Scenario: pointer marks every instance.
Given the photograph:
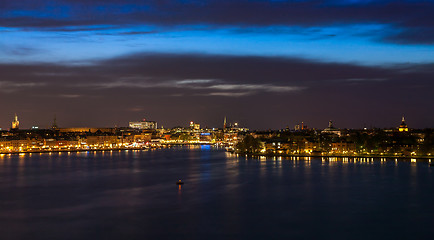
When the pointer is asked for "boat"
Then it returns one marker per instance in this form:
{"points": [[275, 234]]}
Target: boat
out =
{"points": [[179, 182]]}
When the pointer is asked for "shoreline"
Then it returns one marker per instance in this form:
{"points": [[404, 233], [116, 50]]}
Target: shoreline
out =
{"points": [[336, 156], [233, 152], [71, 150], [106, 149]]}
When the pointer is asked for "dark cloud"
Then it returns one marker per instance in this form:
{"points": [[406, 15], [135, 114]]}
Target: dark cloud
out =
{"points": [[258, 92], [138, 32], [407, 17], [420, 35]]}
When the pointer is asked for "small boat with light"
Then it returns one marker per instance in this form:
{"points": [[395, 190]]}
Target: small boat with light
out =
{"points": [[179, 182]]}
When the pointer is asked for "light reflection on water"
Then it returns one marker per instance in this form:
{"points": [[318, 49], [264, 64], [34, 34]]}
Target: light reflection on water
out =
{"points": [[113, 194]]}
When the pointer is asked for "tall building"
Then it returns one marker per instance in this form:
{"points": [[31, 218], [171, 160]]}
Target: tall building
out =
{"points": [[301, 126], [403, 127], [15, 122], [142, 125]]}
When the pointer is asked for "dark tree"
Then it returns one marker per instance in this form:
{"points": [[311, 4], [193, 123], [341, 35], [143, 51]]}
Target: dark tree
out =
{"points": [[249, 145]]}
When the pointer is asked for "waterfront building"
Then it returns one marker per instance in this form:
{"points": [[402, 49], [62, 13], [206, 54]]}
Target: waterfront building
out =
{"points": [[205, 137], [101, 141], [311, 146], [144, 137], [343, 147]]}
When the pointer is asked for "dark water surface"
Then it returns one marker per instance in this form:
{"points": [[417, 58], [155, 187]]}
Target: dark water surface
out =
{"points": [[133, 195]]}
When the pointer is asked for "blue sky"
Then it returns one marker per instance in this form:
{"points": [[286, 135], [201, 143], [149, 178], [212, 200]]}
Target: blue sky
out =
{"points": [[337, 30], [343, 43]]}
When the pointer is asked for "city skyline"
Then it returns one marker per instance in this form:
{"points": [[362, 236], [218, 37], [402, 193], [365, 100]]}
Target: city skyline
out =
{"points": [[152, 124], [264, 64]]}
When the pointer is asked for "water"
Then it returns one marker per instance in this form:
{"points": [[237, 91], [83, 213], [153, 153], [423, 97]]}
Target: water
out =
{"points": [[133, 195]]}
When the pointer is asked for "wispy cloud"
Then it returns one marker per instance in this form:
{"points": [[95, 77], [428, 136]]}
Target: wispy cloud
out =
{"points": [[210, 85], [9, 86], [256, 87], [195, 81], [228, 94]]}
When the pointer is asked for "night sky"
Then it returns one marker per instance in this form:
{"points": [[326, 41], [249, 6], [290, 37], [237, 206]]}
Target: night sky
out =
{"points": [[264, 64]]}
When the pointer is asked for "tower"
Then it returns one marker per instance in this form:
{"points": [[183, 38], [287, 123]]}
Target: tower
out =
{"points": [[54, 126], [403, 127], [224, 123], [15, 122]]}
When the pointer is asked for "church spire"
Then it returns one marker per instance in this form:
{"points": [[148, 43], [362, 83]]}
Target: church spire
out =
{"points": [[54, 126]]}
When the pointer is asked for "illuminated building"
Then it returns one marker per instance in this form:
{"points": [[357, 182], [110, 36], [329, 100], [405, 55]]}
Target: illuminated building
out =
{"points": [[301, 126], [195, 126], [143, 125], [331, 130], [343, 147], [86, 130], [403, 127], [15, 122]]}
